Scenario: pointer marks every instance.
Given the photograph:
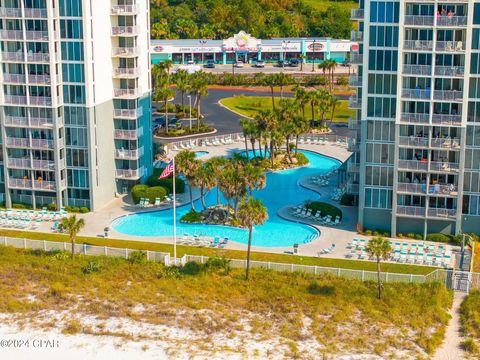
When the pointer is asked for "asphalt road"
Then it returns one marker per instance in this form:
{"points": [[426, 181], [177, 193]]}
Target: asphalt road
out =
{"points": [[226, 121]]}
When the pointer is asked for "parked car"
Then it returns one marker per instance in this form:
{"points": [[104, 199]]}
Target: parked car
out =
{"points": [[239, 64], [346, 63], [210, 64], [294, 63], [281, 63], [259, 64]]}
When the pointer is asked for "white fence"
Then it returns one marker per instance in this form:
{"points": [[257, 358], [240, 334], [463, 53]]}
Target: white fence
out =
{"points": [[457, 280]]}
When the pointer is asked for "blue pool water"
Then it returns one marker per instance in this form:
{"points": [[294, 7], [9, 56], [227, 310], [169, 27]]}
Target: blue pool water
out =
{"points": [[199, 154], [282, 190]]}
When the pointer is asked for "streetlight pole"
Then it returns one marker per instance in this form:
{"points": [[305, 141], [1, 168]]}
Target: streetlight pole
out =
{"points": [[313, 49], [190, 108], [203, 42]]}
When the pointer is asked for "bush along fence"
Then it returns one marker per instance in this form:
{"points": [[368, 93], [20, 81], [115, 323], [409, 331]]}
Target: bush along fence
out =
{"points": [[457, 280]]}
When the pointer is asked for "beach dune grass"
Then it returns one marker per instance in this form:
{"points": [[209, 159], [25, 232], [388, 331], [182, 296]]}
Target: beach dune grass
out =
{"points": [[332, 312], [231, 254]]}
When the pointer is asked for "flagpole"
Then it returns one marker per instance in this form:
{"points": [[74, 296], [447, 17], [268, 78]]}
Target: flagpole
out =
{"points": [[174, 215]]}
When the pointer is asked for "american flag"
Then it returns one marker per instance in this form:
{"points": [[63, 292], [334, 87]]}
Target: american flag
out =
{"points": [[167, 171]]}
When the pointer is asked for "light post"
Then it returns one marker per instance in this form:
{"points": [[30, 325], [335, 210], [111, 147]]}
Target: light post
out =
{"points": [[284, 52], [203, 42], [313, 49], [190, 108]]}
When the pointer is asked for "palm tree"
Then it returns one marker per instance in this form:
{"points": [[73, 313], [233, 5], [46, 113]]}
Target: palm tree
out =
{"points": [[332, 64], [251, 212], [301, 125], [164, 94], [333, 105], [302, 58], [323, 99], [246, 125], [182, 82], [188, 165], [216, 165], [167, 65], [282, 80], [199, 86], [271, 81], [205, 180], [255, 178], [72, 226], [301, 97], [323, 66], [380, 249], [232, 184], [313, 98]]}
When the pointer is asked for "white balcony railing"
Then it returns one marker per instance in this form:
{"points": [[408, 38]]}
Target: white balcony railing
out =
{"points": [[40, 100], [416, 94], [125, 51], [423, 70], [128, 113], [414, 118], [39, 79], [130, 174], [356, 59], [126, 72], [14, 78], [415, 165], [44, 122], [420, 45], [412, 188], [35, 12], [42, 143], [446, 119], [128, 134], [13, 56], [129, 154], [22, 163], [442, 213], [36, 35], [355, 81], [124, 30], [43, 164], [38, 57], [16, 121], [410, 211], [354, 102], [11, 34], [357, 14], [419, 20], [453, 21], [450, 46], [413, 141], [10, 12], [449, 70], [18, 142], [448, 95], [126, 93], [356, 35], [29, 184], [445, 143], [353, 124], [124, 9], [15, 99], [442, 166]]}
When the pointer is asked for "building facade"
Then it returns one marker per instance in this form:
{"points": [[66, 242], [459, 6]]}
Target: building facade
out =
{"points": [[416, 163], [75, 100], [243, 47]]}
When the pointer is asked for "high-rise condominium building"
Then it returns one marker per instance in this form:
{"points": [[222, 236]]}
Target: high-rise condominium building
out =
{"points": [[416, 167], [75, 100]]}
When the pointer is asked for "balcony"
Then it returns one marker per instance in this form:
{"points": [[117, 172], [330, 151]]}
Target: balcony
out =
{"points": [[15, 100], [39, 79], [353, 167], [354, 102], [413, 141], [128, 154], [419, 20], [125, 52], [7, 12], [355, 81], [414, 165], [446, 119], [415, 118], [126, 93], [445, 143], [450, 214], [32, 185], [357, 14], [44, 122], [453, 21], [356, 35], [126, 73], [410, 211], [124, 9], [40, 100], [353, 124], [17, 142], [128, 113], [356, 59], [416, 94], [353, 145], [448, 95], [18, 121], [36, 35], [418, 45], [11, 34], [14, 78], [130, 174], [124, 30], [35, 12], [16, 163], [128, 134], [13, 56], [458, 71], [421, 70], [38, 57], [410, 188], [42, 144], [353, 188], [450, 46], [444, 167], [443, 189]]}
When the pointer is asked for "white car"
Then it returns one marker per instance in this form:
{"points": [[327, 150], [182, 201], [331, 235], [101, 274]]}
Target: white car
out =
{"points": [[239, 64]]}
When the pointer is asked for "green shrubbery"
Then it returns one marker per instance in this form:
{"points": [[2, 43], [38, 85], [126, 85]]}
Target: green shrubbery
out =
{"points": [[325, 209], [91, 267], [301, 159], [150, 193], [137, 257], [76, 209], [470, 319], [441, 238], [347, 200], [192, 217]]}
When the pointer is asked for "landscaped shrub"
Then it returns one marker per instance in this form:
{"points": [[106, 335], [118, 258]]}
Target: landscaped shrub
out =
{"points": [[192, 217], [418, 237], [84, 210], [137, 257], [302, 160], [191, 268], [347, 200], [21, 206], [470, 320], [441, 238], [325, 209], [155, 192], [91, 267], [52, 207], [216, 263], [138, 191], [166, 183]]}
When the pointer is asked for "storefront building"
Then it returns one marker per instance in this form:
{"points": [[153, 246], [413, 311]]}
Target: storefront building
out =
{"points": [[243, 47]]}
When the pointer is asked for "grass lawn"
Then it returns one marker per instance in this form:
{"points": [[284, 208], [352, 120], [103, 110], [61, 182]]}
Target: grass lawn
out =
{"points": [[251, 105], [302, 315], [232, 254], [470, 319], [324, 4]]}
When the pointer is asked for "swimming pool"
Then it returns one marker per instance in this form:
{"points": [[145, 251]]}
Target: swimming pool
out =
{"points": [[282, 190], [199, 154]]}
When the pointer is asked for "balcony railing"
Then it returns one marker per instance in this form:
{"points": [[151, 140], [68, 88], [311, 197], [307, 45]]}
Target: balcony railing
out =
{"points": [[35, 13], [357, 14], [23, 163], [11, 34], [39, 79], [413, 141], [453, 21], [40, 100], [13, 56], [130, 174], [14, 78], [420, 45], [19, 163], [412, 188], [416, 94], [128, 113], [126, 72], [42, 143], [353, 124], [442, 213], [446, 119], [353, 145], [124, 30], [44, 122], [414, 118], [34, 185], [447, 167], [448, 95], [355, 81], [353, 188], [353, 167], [415, 165], [16, 121], [443, 189], [128, 134], [15, 100], [43, 165], [18, 142], [354, 103], [124, 9], [356, 35], [10, 12], [38, 57], [450, 46], [419, 20], [423, 70], [36, 35], [356, 59], [126, 93], [129, 154], [445, 143], [410, 211], [449, 70], [125, 51]]}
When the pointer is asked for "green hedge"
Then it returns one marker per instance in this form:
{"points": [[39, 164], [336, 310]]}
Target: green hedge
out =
{"points": [[166, 183], [150, 193], [326, 209], [441, 238]]}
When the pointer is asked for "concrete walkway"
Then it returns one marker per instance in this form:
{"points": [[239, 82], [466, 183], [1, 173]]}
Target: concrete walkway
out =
{"points": [[451, 348]]}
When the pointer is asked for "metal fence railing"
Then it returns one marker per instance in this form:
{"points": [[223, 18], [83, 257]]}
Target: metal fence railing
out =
{"points": [[457, 280]]}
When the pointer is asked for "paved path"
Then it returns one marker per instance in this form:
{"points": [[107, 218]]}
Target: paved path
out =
{"points": [[451, 349]]}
